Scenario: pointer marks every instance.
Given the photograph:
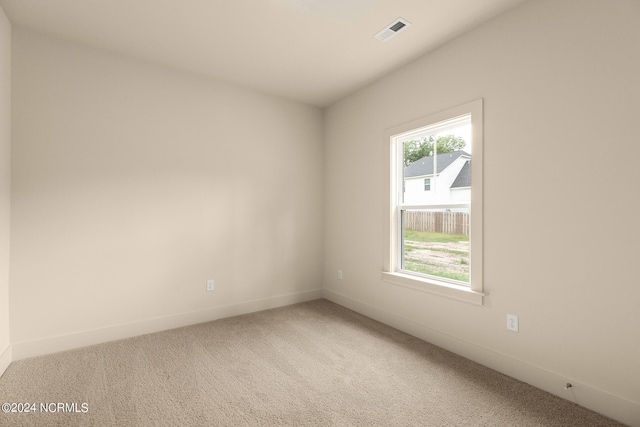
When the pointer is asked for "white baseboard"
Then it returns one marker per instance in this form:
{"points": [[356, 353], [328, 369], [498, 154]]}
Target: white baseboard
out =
{"points": [[5, 359], [584, 395], [25, 349]]}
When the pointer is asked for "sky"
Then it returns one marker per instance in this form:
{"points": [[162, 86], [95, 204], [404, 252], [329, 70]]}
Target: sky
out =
{"points": [[458, 128]]}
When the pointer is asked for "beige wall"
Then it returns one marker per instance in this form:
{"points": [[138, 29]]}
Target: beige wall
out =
{"points": [[5, 185], [134, 184], [561, 89]]}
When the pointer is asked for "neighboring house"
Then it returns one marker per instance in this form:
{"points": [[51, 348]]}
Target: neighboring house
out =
{"points": [[450, 184]]}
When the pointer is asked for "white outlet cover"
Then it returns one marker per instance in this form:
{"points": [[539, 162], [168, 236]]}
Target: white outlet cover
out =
{"points": [[512, 322], [210, 285]]}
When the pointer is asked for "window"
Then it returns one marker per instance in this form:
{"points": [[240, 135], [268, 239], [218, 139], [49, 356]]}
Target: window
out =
{"points": [[435, 229]]}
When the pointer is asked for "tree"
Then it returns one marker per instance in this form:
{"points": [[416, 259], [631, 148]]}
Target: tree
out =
{"points": [[419, 148]]}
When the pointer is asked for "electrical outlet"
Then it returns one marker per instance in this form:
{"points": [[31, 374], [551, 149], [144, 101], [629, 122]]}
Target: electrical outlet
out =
{"points": [[512, 322], [340, 274], [210, 285]]}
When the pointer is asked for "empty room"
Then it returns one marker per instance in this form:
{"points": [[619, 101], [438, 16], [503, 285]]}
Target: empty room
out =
{"points": [[319, 212]]}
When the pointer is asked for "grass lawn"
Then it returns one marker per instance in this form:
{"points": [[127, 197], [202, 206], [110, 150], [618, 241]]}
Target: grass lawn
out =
{"points": [[451, 264], [431, 236], [420, 267]]}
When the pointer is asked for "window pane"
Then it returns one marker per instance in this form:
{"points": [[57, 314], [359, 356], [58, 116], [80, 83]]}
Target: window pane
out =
{"points": [[436, 163], [436, 243], [429, 234]]}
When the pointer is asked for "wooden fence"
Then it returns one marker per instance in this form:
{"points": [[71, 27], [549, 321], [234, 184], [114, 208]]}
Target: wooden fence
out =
{"points": [[440, 222]]}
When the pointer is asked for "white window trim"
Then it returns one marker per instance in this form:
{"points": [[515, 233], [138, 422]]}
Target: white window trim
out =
{"points": [[474, 293]]}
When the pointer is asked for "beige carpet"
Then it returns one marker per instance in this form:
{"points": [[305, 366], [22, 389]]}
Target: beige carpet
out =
{"points": [[310, 364]]}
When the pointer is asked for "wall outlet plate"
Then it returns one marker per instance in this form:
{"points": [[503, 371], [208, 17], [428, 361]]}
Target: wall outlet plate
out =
{"points": [[512, 322], [210, 285]]}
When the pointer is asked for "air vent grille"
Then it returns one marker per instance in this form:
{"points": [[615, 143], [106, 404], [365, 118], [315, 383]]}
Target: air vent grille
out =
{"points": [[397, 26], [392, 29]]}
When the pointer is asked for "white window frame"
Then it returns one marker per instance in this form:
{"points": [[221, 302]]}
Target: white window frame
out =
{"points": [[391, 274], [427, 181]]}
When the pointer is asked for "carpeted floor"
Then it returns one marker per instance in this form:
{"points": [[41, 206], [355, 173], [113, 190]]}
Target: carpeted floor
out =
{"points": [[310, 364]]}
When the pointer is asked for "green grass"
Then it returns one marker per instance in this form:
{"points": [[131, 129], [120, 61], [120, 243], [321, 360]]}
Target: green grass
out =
{"points": [[450, 251], [431, 236], [411, 236], [434, 271]]}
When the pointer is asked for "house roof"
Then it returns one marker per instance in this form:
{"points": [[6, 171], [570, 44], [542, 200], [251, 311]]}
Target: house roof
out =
{"points": [[464, 177], [424, 166]]}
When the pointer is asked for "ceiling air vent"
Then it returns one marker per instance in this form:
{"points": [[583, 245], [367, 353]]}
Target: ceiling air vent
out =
{"points": [[392, 29]]}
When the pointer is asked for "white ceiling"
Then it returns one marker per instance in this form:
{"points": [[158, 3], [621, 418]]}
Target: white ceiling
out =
{"points": [[313, 51]]}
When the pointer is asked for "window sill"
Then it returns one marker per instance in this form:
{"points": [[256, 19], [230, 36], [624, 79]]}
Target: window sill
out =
{"points": [[444, 289]]}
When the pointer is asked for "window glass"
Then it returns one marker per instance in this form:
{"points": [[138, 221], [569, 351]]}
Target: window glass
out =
{"points": [[434, 207]]}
